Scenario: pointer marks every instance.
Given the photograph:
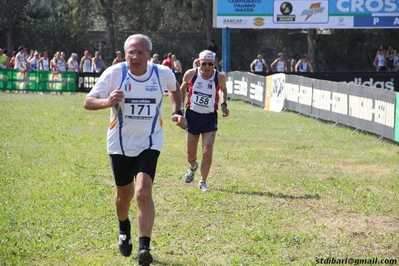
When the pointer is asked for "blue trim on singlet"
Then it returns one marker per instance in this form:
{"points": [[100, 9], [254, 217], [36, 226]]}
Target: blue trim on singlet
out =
{"points": [[157, 113], [155, 69], [120, 115]]}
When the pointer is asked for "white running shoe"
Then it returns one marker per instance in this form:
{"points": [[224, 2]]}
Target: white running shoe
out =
{"points": [[190, 173], [202, 185]]}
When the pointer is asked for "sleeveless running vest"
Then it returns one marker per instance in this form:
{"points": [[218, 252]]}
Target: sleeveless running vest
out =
{"points": [[136, 123], [203, 94]]}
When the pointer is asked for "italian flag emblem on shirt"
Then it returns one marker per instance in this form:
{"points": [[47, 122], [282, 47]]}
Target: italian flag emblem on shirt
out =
{"points": [[128, 87]]}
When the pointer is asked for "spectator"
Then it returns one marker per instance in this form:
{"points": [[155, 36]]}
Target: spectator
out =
{"points": [[215, 49], [98, 63], [381, 49], [176, 65], [168, 61], [3, 60], [12, 60], [44, 62], [390, 56], [379, 60], [304, 65], [177, 69], [293, 62], [259, 66], [73, 65], [86, 63], [63, 56], [20, 59], [34, 62], [31, 55], [118, 58], [100, 47], [59, 63], [5, 52], [279, 65], [155, 59], [396, 63]]}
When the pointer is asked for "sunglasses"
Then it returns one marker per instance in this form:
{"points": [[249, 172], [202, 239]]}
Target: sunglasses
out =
{"points": [[205, 64]]}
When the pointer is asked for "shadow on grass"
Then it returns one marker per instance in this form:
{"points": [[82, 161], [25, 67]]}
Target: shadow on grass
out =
{"points": [[272, 195]]}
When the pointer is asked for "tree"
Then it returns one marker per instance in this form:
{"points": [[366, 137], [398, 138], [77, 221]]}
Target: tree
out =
{"points": [[107, 11], [11, 14], [209, 15]]}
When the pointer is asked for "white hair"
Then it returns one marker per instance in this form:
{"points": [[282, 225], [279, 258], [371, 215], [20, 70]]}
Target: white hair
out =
{"points": [[139, 37]]}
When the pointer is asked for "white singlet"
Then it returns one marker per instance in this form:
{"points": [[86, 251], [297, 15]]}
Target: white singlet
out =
{"points": [[280, 66], [135, 123], [21, 64], [203, 94], [87, 65], [61, 65], [380, 60], [46, 64], [258, 65]]}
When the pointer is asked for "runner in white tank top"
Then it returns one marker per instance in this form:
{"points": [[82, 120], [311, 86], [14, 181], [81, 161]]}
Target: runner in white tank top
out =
{"points": [[136, 124], [20, 59], [134, 92], [279, 65]]}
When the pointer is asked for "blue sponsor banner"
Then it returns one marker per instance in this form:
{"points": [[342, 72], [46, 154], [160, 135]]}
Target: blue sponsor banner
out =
{"points": [[296, 14], [245, 7], [376, 22]]}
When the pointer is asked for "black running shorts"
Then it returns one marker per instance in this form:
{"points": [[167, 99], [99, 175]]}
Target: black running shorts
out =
{"points": [[126, 168]]}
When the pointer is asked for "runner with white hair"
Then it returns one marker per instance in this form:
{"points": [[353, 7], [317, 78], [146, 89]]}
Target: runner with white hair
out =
{"points": [[204, 85]]}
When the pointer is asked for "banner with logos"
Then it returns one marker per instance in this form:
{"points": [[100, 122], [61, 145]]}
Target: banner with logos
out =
{"points": [[365, 108], [358, 106], [305, 14], [379, 80], [11, 79], [274, 96], [86, 81], [246, 86]]}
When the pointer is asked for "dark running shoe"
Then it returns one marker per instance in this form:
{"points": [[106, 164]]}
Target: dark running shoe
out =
{"points": [[125, 244], [144, 256]]}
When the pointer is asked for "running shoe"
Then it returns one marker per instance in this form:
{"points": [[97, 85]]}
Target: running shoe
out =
{"points": [[144, 256], [125, 244], [202, 185], [190, 173]]}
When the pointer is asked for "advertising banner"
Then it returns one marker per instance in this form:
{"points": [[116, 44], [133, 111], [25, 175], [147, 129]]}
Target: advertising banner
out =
{"points": [[86, 81], [256, 89], [274, 96], [239, 85], [303, 14], [298, 94], [11, 79], [379, 80]]}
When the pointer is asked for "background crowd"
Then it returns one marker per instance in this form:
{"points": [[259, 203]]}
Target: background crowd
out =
{"points": [[384, 60], [32, 60]]}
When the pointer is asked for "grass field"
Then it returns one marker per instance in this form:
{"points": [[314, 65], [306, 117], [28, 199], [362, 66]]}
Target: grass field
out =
{"points": [[286, 190]]}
